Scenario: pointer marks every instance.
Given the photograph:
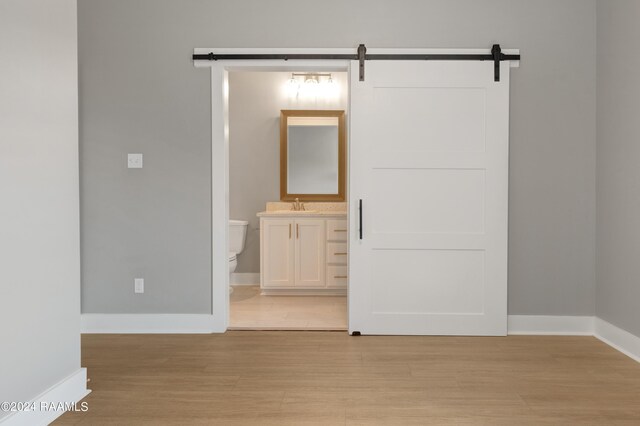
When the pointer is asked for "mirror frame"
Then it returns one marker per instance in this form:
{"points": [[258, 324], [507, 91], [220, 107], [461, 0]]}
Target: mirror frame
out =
{"points": [[342, 152]]}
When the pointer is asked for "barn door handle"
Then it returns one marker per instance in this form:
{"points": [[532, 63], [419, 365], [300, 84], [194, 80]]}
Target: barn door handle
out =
{"points": [[360, 217]]}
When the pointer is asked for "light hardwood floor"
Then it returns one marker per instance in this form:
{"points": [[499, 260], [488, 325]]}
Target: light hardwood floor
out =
{"points": [[249, 310], [330, 378]]}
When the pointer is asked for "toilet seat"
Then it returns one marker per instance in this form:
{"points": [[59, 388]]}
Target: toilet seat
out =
{"points": [[232, 256]]}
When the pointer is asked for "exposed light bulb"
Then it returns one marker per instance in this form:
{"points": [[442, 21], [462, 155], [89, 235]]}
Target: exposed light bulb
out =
{"points": [[292, 87], [331, 88], [311, 86]]}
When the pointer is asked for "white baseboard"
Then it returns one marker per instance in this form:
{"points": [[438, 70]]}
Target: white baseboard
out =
{"points": [[615, 337], [618, 338], [550, 325], [245, 278], [148, 323], [66, 394]]}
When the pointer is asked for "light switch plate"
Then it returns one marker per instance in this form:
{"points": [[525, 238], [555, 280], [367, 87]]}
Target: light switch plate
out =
{"points": [[134, 161], [138, 285]]}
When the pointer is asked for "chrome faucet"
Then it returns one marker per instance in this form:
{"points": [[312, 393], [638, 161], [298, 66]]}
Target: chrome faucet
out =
{"points": [[297, 205]]}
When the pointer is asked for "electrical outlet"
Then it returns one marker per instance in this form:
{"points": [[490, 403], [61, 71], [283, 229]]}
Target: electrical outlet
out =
{"points": [[134, 161], [138, 285]]}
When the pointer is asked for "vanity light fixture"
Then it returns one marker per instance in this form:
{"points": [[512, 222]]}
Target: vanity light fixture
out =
{"points": [[311, 85], [312, 79]]}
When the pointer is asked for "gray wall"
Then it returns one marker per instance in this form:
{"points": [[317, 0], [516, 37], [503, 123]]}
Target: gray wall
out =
{"points": [[39, 215], [255, 101], [140, 93], [618, 166]]}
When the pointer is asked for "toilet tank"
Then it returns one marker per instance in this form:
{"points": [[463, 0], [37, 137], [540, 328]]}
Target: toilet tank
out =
{"points": [[237, 235]]}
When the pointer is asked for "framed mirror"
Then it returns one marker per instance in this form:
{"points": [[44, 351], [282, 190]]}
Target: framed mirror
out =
{"points": [[312, 155]]}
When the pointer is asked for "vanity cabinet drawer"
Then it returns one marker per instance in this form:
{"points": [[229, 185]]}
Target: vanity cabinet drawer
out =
{"points": [[337, 229], [337, 253], [336, 276]]}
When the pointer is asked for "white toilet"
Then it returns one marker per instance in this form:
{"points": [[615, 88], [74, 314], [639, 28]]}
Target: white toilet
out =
{"points": [[237, 237]]}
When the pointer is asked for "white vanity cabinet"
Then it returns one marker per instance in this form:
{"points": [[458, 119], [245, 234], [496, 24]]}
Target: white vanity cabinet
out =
{"points": [[303, 255]]}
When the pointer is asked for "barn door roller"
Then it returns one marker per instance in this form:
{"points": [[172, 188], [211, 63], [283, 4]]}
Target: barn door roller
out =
{"points": [[496, 52], [361, 56]]}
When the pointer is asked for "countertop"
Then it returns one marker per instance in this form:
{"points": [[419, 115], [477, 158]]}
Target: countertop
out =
{"points": [[311, 209], [303, 213]]}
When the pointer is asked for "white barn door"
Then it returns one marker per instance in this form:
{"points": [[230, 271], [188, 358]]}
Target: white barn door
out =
{"points": [[429, 159]]}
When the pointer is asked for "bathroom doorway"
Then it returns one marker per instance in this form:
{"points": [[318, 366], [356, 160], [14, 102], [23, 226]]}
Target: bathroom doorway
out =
{"points": [[287, 205]]}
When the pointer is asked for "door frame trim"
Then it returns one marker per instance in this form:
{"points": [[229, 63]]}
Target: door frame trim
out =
{"points": [[220, 156]]}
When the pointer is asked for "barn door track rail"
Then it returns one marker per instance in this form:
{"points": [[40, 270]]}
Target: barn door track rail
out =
{"points": [[361, 56]]}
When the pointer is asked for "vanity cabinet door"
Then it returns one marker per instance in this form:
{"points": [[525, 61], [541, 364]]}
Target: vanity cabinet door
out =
{"points": [[277, 252], [310, 241]]}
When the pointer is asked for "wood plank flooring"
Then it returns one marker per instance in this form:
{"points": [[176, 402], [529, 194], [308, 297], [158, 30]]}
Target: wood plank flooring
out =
{"points": [[249, 310], [330, 378]]}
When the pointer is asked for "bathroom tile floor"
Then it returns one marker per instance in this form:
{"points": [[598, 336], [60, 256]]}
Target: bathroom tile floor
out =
{"points": [[249, 310]]}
